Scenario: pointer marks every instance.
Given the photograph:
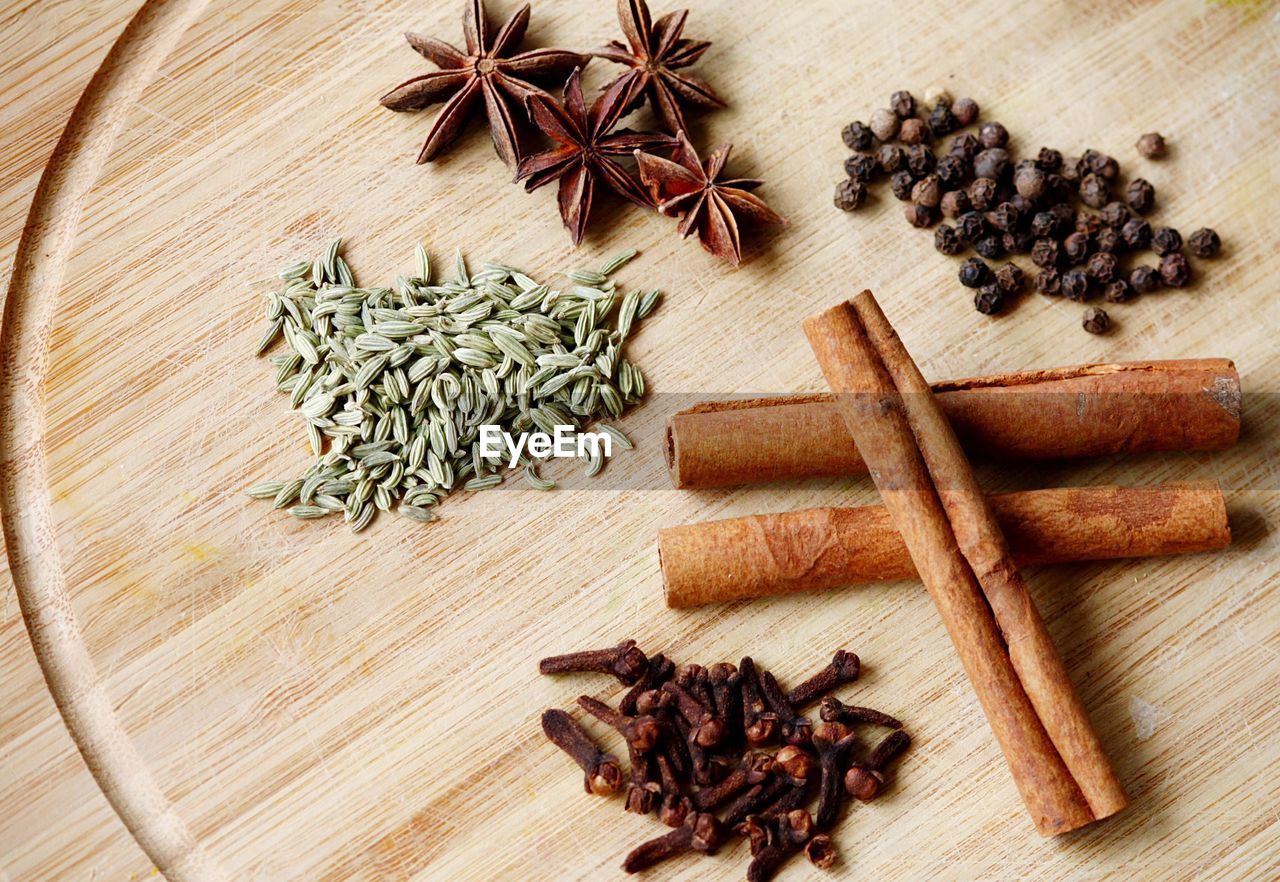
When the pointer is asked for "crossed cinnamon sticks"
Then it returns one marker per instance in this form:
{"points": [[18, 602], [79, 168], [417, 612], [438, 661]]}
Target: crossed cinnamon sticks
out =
{"points": [[936, 521], [936, 505]]}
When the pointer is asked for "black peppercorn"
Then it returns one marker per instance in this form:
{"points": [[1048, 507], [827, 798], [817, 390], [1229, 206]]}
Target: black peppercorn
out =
{"points": [[1030, 183], [1076, 247], [1151, 145], [1070, 171], [890, 158], [1089, 223], [990, 247], [983, 193], [965, 111], [1017, 241], [974, 273], [857, 136], [965, 146], [1084, 165], [884, 124], [1043, 223], [1144, 279], [1204, 242], [971, 226], [914, 131], [1103, 165], [901, 184], [903, 104], [1117, 291], [1165, 240], [1003, 217], [993, 134], [954, 203], [1065, 214], [1049, 282], [1175, 272], [920, 160], [947, 240], [991, 163], [1140, 195], [861, 167], [1026, 208], [1049, 160], [953, 172], [1076, 285], [927, 191], [1093, 191], [1010, 279], [1108, 239], [1045, 253], [1115, 214], [942, 121], [850, 195], [1102, 267], [1058, 189], [1096, 321], [989, 300], [920, 215]]}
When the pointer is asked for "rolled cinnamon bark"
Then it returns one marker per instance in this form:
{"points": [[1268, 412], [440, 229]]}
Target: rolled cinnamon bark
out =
{"points": [[933, 500], [1061, 413], [818, 549]]}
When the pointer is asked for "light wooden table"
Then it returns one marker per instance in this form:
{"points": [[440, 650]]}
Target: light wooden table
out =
{"points": [[326, 707]]}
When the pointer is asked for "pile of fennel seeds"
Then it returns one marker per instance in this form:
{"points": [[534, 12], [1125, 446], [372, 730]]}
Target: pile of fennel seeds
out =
{"points": [[394, 385]]}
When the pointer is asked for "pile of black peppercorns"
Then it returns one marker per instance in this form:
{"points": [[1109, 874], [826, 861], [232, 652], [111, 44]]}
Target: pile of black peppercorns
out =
{"points": [[1070, 216]]}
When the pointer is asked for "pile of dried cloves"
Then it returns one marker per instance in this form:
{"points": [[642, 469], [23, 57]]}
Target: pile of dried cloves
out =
{"points": [[724, 750]]}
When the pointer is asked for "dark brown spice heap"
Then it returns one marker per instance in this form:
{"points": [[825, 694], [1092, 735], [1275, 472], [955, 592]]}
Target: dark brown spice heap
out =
{"points": [[696, 738], [1073, 218], [489, 69]]}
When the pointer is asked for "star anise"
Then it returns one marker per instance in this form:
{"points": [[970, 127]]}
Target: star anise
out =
{"points": [[586, 144], [487, 68], [692, 189], [656, 52]]}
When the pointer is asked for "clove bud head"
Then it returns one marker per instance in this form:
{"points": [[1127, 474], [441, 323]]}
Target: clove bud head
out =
{"points": [[863, 783], [820, 851]]}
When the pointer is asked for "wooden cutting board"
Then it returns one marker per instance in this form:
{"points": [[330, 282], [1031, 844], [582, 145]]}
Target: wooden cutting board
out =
{"points": [[324, 706]]}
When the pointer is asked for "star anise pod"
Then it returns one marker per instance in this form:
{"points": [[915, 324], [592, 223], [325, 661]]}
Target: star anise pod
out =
{"points": [[656, 51], [584, 151], [487, 68], [692, 189]]}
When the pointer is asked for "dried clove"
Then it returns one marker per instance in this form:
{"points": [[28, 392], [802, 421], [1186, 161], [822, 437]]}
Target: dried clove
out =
{"points": [[707, 729], [726, 695], [644, 792], [659, 670], [701, 832], [835, 711], [759, 725], [641, 732], [755, 768], [832, 741], [602, 773], [675, 806], [787, 835], [795, 728], [866, 779], [624, 661], [843, 668]]}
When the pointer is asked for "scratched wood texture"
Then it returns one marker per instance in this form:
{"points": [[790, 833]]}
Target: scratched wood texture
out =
{"points": [[327, 707]]}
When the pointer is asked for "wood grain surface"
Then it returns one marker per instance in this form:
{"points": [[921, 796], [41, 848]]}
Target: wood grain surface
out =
{"points": [[324, 706]]}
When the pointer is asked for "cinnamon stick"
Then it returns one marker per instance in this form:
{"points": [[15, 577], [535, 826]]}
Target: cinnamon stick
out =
{"points": [[1061, 413], [819, 549], [933, 500]]}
